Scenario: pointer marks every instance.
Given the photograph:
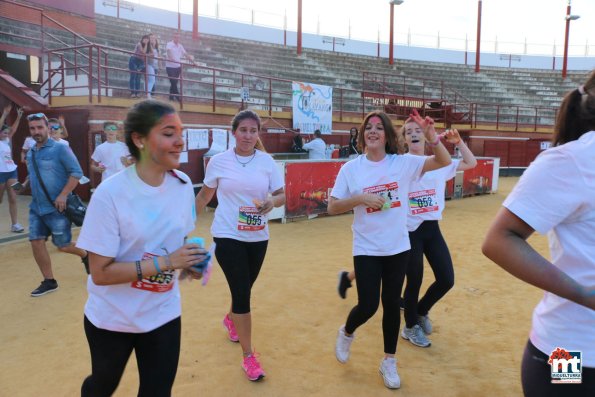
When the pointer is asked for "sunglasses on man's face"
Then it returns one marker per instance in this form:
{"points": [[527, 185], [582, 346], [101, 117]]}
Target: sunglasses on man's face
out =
{"points": [[55, 127], [111, 128], [37, 116]]}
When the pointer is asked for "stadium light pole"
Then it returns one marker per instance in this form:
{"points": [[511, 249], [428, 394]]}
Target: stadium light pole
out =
{"points": [[195, 19], [392, 29], [299, 28], [568, 18], [478, 44]]}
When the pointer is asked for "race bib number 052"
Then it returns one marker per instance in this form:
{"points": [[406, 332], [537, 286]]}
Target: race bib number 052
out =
{"points": [[423, 201]]}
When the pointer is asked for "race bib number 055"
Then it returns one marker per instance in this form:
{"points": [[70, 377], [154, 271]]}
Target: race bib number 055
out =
{"points": [[250, 220]]}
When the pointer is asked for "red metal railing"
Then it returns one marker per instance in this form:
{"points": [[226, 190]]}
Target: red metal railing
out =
{"points": [[221, 87]]}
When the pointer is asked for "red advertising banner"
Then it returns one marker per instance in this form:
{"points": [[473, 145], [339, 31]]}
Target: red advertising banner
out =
{"points": [[479, 179], [308, 186]]}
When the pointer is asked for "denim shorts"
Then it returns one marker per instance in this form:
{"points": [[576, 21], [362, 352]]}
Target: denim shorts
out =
{"points": [[56, 224], [5, 176]]}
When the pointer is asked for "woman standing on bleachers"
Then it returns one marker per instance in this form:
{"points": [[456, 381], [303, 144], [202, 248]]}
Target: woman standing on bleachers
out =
{"points": [[136, 64]]}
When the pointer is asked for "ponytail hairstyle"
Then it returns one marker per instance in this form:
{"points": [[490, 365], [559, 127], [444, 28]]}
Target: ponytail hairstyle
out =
{"points": [[141, 118], [577, 113]]}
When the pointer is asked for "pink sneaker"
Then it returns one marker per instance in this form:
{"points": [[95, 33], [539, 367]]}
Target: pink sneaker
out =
{"points": [[252, 367], [231, 329]]}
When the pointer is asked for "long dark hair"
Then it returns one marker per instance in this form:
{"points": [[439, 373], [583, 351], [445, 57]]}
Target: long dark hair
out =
{"points": [[577, 113], [392, 140], [141, 118]]}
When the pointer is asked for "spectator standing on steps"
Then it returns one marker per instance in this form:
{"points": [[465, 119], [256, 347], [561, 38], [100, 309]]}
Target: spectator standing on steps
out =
{"points": [[175, 53]]}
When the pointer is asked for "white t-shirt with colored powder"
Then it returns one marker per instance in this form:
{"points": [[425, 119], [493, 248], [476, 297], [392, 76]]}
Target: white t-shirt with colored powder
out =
{"points": [[556, 195], [426, 197], [109, 154], [6, 162], [379, 232], [236, 216], [129, 220]]}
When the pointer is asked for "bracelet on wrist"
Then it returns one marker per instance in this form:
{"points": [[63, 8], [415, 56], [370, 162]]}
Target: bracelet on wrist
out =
{"points": [[156, 264], [139, 271], [168, 265], [436, 141]]}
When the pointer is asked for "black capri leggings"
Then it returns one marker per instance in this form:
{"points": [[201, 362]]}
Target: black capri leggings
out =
{"points": [[427, 239], [157, 354], [536, 377], [241, 263], [372, 272]]}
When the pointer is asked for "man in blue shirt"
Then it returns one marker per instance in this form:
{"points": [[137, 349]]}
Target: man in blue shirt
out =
{"points": [[60, 172]]}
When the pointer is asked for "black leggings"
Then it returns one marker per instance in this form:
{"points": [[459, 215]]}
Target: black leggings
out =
{"points": [[371, 272], [241, 263], [427, 240], [536, 377], [157, 353]]}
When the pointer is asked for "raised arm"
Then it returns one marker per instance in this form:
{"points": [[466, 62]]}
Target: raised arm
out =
{"points": [[506, 245], [469, 161], [441, 157]]}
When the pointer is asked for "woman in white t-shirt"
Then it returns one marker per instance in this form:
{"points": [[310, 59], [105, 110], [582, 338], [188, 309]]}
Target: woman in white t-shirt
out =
{"points": [[8, 168], [376, 187], [556, 195], [248, 185], [426, 203], [134, 231]]}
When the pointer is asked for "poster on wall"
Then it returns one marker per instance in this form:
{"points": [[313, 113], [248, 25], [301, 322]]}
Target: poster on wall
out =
{"points": [[308, 186], [478, 180], [312, 107]]}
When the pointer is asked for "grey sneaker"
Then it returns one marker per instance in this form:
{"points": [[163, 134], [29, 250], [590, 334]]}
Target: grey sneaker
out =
{"points": [[416, 336], [45, 287], [388, 370], [17, 228], [425, 323], [343, 345]]}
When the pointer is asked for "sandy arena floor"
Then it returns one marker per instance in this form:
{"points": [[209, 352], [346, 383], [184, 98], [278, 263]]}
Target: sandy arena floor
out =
{"points": [[481, 326]]}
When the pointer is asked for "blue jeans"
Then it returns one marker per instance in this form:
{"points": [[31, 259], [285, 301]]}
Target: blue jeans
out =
{"points": [[135, 65], [56, 224]]}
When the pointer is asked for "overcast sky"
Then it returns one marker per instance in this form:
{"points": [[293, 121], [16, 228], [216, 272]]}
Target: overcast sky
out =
{"points": [[538, 21]]}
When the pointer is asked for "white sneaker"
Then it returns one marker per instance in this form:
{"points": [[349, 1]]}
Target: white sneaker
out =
{"points": [[388, 370], [425, 323], [343, 345], [416, 336], [17, 228]]}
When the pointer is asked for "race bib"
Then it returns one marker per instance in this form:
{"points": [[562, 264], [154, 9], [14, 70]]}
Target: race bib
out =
{"points": [[8, 159], [423, 201], [390, 192], [161, 282], [249, 220]]}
